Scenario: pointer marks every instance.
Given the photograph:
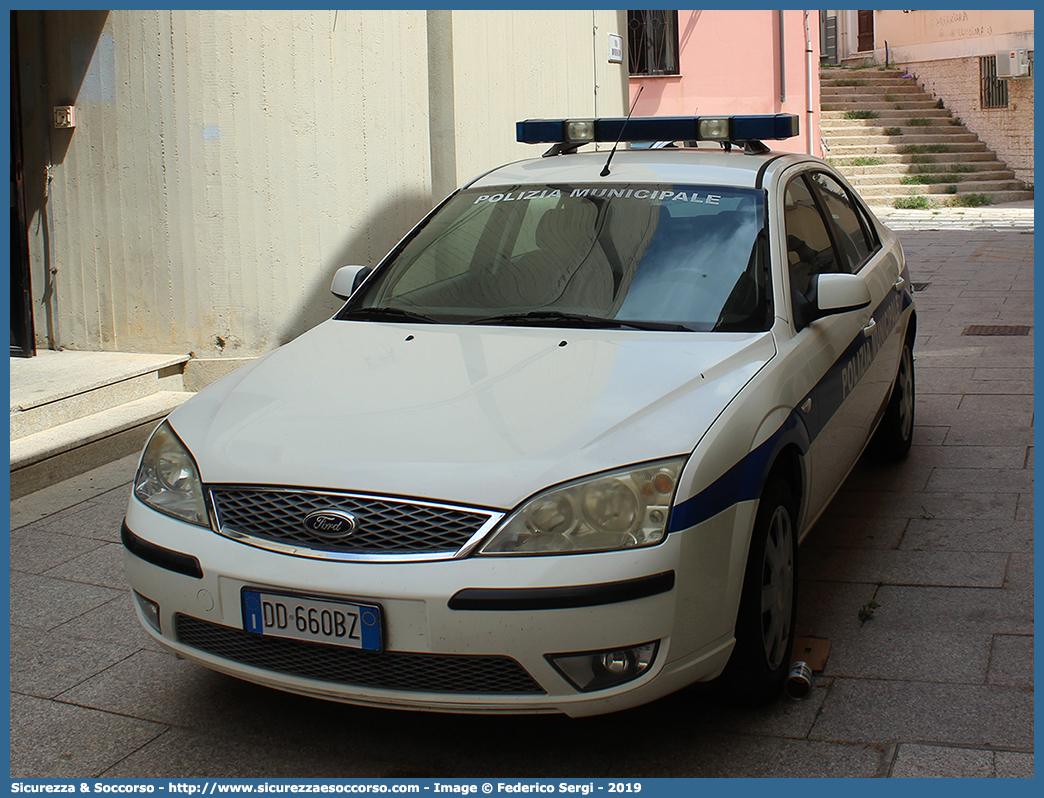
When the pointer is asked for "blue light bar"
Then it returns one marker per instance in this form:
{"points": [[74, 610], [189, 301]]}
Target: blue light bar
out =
{"points": [[755, 127]]}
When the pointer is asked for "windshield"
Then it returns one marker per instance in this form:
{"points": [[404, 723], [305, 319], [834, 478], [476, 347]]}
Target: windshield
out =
{"points": [[657, 257]]}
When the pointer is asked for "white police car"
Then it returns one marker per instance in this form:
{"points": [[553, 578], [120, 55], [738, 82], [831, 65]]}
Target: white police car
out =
{"points": [[556, 451]]}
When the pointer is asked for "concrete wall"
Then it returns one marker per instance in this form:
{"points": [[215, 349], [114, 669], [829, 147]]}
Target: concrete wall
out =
{"points": [[225, 163], [931, 29], [730, 63]]}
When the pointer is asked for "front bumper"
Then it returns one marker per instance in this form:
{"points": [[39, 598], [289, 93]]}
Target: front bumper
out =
{"points": [[470, 635]]}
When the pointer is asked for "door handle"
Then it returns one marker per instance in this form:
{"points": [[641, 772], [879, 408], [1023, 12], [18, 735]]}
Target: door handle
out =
{"points": [[869, 328], [900, 284]]}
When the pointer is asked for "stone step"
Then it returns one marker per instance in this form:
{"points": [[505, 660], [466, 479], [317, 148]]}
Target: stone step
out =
{"points": [[71, 448], [944, 200], [933, 113], [978, 187], [860, 179], [913, 107], [985, 159], [54, 388], [901, 146]]}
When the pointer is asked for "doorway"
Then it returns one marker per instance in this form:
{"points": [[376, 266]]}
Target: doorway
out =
{"points": [[23, 342]]}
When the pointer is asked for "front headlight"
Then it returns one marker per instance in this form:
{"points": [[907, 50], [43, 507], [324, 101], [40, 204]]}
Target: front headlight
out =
{"points": [[167, 479], [619, 510]]}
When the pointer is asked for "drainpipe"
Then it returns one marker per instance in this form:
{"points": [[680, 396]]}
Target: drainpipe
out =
{"points": [[808, 86], [782, 62]]}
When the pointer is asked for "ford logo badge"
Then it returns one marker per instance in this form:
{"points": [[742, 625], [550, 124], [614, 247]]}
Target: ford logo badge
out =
{"points": [[330, 523]]}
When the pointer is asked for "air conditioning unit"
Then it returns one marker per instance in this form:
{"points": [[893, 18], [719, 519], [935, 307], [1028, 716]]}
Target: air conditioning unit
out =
{"points": [[1013, 64]]}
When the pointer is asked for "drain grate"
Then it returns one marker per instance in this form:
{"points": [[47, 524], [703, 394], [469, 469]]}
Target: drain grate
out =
{"points": [[997, 329]]}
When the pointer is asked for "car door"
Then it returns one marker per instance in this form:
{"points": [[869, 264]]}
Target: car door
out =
{"points": [[825, 235]]}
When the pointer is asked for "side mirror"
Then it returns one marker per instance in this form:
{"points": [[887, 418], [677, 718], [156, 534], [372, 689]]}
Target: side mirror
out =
{"points": [[828, 295], [839, 293], [347, 279]]}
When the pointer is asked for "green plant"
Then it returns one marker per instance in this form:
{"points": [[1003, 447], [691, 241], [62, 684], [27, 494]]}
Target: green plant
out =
{"points": [[957, 121], [889, 98], [866, 612], [923, 159], [849, 82], [893, 131], [962, 167], [910, 149], [865, 160], [918, 202], [927, 179], [951, 189], [899, 106], [918, 121], [940, 104], [861, 114], [970, 201]]}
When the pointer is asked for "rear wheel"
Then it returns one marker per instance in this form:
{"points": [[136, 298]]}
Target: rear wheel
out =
{"points": [[758, 667], [894, 434]]}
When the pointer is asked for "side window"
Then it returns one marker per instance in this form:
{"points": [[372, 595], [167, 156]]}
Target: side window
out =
{"points": [[853, 239], [809, 248]]}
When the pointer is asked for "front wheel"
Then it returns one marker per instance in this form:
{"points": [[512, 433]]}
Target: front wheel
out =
{"points": [[765, 624]]}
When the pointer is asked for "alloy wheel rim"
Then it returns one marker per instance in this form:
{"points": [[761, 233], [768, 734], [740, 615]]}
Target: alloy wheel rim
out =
{"points": [[777, 587], [906, 399]]}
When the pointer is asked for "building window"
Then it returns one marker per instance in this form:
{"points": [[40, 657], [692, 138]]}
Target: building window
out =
{"points": [[993, 93], [652, 42]]}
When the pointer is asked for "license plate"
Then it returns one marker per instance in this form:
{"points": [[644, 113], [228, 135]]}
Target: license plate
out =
{"points": [[338, 623]]}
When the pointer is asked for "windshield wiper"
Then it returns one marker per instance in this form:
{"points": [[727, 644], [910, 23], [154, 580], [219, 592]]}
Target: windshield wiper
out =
{"points": [[385, 314], [558, 318]]}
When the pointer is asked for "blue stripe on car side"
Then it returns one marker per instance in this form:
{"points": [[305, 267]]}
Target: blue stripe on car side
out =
{"points": [[745, 480]]}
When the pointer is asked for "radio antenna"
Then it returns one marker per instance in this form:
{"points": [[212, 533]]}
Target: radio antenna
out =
{"points": [[612, 152]]}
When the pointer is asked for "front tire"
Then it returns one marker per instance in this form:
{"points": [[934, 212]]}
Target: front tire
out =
{"points": [[765, 624]]}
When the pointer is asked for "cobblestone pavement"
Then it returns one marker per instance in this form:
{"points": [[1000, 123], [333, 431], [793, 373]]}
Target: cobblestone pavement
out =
{"points": [[920, 577]]}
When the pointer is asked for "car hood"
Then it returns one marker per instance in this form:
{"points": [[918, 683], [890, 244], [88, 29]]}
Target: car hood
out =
{"points": [[474, 415]]}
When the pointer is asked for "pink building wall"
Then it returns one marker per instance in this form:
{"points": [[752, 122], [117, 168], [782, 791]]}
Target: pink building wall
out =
{"points": [[730, 64]]}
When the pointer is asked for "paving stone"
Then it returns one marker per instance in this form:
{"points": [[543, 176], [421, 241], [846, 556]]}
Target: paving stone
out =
{"points": [[828, 609], [1014, 765], [980, 480], [1020, 572], [45, 664], [40, 602], [35, 551], [100, 566], [855, 533], [1011, 661], [71, 742], [914, 761], [979, 535], [876, 652], [887, 504], [939, 568], [955, 609], [867, 710], [972, 457]]}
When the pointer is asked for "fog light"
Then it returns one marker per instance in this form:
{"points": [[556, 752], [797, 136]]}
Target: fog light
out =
{"points": [[150, 609], [598, 670]]}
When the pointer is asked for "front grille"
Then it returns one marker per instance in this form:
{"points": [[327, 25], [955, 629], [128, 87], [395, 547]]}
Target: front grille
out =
{"points": [[384, 525], [388, 670]]}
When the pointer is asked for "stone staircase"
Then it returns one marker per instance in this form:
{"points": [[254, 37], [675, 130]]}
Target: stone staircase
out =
{"points": [[899, 147], [74, 411]]}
